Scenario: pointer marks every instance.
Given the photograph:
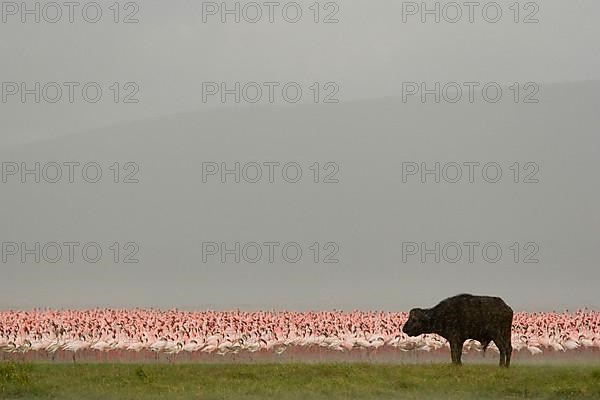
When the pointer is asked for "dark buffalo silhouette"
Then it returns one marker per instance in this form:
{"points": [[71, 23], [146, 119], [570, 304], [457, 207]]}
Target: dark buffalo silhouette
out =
{"points": [[463, 317]]}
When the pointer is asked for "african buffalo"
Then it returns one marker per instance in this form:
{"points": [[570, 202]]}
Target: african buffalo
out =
{"points": [[463, 317]]}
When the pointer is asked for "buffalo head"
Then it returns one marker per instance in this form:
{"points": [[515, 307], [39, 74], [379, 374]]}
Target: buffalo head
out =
{"points": [[418, 322]]}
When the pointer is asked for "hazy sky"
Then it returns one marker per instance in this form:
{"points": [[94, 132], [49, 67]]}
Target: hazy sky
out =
{"points": [[369, 207]]}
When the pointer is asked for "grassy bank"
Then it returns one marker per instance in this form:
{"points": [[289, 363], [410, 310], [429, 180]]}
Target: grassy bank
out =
{"points": [[297, 381]]}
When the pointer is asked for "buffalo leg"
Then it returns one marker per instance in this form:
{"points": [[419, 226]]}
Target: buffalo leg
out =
{"points": [[456, 351], [504, 345], [508, 347]]}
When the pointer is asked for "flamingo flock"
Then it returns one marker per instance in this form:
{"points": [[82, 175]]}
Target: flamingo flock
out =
{"points": [[112, 331]]}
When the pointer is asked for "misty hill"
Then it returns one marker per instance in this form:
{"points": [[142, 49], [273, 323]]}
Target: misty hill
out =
{"points": [[170, 212]]}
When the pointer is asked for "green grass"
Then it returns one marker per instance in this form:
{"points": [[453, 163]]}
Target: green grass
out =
{"points": [[296, 381]]}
